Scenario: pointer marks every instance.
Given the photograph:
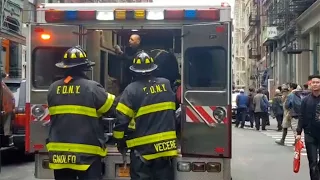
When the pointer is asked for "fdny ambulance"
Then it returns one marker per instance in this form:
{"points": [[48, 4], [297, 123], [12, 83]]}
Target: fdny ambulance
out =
{"points": [[198, 34]]}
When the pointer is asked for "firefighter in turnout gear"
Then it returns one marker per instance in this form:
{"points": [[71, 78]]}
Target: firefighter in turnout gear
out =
{"points": [[149, 105], [76, 142]]}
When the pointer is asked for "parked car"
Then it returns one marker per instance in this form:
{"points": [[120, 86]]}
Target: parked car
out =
{"points": [[18, 88]]}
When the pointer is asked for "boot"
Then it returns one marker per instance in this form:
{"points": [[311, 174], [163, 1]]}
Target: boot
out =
{"points": [[284, 134]]}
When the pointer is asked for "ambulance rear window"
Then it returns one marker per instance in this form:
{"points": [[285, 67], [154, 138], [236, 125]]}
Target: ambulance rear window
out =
{"points": [[206, 67], [43, 66]]}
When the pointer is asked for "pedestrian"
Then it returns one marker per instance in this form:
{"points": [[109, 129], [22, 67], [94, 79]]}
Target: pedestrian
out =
{"points": [[261, 105], [306, 91], [292, 102], [277, 108], [251, 95], [76, 141], [153, 143], [309, 122], [242, 101]]}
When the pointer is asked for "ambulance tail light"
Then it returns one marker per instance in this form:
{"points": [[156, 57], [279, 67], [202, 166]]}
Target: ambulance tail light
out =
{"points": [[130, 14], [45, 36], [206, 14], [198, 167], [214, 167], [184, 166]]}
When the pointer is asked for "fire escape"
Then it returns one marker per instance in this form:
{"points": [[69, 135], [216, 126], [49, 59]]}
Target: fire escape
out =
{"points": [[254, 45], [283, 14]]}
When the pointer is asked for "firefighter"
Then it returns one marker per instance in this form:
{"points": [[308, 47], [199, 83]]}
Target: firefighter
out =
{"points": [[150, 102], [76, 142]]}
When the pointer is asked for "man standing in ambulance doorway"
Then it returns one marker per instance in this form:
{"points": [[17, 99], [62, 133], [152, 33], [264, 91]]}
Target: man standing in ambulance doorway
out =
{"points": [[127, 56], [76, 142]]}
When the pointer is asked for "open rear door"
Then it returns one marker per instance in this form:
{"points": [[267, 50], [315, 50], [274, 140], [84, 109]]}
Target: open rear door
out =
{"points": [[46, 46], [206, 130]]}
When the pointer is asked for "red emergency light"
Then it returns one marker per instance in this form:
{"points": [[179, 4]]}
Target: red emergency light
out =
{"points": [[53, 16], [206, 14]]}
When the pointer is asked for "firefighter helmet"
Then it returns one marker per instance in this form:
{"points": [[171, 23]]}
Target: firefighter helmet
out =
{"points": [[143, 63], [73, 57]]}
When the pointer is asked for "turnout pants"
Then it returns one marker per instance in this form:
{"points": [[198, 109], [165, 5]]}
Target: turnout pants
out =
{"points": [[93, 173], [157, 169], [312, 146]]}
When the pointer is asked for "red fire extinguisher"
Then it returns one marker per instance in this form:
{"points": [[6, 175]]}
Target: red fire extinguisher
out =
{"points": [[297, 156]]}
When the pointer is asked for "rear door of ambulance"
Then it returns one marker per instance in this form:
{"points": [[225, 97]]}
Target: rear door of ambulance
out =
{"points": [[206, 129], [46, 46]]}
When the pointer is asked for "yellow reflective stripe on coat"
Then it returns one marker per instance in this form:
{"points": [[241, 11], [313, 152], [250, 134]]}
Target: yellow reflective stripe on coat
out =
{"points": [[107, 105], [76, 148], [161, 154], [118, 134], [78, 167], [152, 108], [73, 109], [149, 139], [132, 124], [125, 110]]}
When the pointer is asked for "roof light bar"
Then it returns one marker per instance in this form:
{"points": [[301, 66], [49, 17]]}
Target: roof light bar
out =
{"points": [[53, 16]]}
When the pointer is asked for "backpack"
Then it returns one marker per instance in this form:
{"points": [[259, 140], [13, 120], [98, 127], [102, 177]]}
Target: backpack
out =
{"points": [[264, 104], [296, 106]]}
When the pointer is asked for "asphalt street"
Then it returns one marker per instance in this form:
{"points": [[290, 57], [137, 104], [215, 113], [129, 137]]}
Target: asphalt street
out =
{"points": [[255, 157]]}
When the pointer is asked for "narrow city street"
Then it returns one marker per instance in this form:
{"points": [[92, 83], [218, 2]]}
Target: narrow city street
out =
{"points": [[255, 157]]}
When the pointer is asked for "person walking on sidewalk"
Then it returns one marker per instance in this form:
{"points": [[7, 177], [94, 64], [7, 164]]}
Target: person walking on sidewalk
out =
{"points": [[309, 122], [293, 103], [242, 102], [277, 108], [290, 98], [251, 95], [261, 105]]}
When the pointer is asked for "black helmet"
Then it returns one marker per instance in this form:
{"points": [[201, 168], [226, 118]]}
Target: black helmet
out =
{"points": [[73, 57], [143, 63]]}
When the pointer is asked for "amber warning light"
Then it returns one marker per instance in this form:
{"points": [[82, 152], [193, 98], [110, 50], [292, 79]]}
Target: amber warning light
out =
{"points": [[45, 36]]}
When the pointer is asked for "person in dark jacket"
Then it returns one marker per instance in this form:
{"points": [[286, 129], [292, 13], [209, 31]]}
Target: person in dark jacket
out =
{"points": [[251, 95], [150, 102], [277, 108], [127, 57], [242, 102], [76, 141], [309, 122], [261, 112]]}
